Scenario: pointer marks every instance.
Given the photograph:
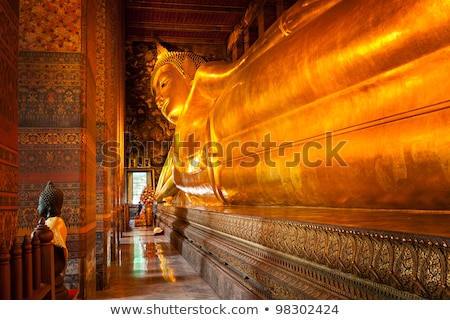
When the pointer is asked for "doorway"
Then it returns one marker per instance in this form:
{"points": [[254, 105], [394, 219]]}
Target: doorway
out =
{"points": [[137, 180]]}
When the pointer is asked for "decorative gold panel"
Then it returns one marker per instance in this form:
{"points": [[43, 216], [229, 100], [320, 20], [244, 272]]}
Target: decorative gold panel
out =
{"points": [[307, 260]]}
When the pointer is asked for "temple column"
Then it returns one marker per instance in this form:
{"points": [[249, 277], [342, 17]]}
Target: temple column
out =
{"points": [[57, 123], [9, 26], [110, 122]]}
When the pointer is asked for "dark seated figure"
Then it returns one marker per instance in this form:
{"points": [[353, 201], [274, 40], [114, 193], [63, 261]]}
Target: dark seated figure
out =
{"points": [[50, 203]]}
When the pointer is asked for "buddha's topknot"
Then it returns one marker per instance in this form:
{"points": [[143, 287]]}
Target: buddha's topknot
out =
{"points": [[52, 197]]}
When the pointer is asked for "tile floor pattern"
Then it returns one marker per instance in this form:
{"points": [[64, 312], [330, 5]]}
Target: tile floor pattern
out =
{"points": [[148, 267]]}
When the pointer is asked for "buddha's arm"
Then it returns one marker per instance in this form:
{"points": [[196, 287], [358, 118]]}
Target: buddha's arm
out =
{"points": [[210, 80], [166, 186]]}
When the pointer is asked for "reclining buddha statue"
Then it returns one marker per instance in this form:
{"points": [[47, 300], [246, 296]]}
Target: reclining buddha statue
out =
{"points": [[342, 103]]}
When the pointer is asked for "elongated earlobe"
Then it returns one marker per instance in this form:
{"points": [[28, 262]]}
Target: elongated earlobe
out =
{"points": [[189, 69], [49, 212]]}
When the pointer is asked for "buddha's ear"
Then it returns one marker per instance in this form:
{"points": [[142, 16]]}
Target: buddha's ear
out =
{"points": [[189, 68], [49, 212]]}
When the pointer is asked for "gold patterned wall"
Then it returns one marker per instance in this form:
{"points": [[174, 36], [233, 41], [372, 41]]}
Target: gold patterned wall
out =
{"points": [[9, 22]]}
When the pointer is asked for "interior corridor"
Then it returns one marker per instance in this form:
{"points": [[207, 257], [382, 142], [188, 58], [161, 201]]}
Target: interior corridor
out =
{"points": [[149, 268]]}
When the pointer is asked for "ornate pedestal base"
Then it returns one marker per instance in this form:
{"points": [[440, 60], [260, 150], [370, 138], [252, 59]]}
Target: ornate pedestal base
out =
{"points": [[304, 253]]}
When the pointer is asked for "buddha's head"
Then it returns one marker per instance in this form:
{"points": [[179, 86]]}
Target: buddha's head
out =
{"points": [[172, 79], [50, 201]]}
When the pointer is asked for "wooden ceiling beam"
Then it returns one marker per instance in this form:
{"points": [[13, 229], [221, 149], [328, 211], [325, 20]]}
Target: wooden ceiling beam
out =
{"points": [[251, 13], [180, 41], [185, 8], [179, 27]]}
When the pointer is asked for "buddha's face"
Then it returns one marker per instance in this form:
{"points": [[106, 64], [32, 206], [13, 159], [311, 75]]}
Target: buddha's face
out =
{"points": [[171, 90]]}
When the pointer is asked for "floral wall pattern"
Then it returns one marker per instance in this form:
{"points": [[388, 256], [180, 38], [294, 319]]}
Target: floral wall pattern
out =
{"points": [[51, 25]]}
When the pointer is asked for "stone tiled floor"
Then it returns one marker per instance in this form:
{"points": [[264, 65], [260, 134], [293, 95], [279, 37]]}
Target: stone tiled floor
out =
{"points": [[148, 267]]}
